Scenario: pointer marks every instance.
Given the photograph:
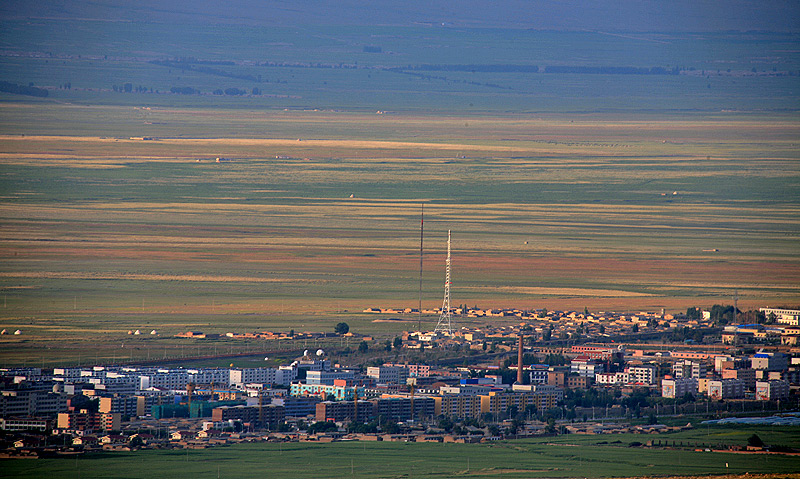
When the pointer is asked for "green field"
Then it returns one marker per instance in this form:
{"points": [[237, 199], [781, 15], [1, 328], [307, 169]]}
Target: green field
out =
{"points": [[562, 456]]}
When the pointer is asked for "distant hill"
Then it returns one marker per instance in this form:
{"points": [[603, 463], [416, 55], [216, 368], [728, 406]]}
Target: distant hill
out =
{"points": [[614, 16]]}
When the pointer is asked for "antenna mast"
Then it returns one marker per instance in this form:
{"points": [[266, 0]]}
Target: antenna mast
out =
{"points": [[421, 229], [445, 317]]}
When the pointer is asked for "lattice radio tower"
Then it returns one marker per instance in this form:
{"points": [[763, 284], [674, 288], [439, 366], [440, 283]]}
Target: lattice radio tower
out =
{"points": [[446, 316]]}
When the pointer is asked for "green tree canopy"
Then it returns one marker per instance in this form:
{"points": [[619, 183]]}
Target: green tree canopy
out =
{"points": [[342, 328]]}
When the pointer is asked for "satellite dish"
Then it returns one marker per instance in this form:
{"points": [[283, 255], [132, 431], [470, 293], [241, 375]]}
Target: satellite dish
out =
{"points": [[305, 353], [294, 364], [266, 358], [320, 352]]}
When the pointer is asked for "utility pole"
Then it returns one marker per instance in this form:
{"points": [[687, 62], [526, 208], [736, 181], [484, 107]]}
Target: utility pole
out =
{"points": [[421, 230]]}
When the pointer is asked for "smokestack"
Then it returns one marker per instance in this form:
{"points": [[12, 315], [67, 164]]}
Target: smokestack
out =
{"points": [[519, 360]]}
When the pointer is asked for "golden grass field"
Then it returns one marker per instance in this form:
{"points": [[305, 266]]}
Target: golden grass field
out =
{"points": [[102, 233]]}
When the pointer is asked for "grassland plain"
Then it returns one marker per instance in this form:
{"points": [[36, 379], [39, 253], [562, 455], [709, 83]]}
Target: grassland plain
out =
{"points": [[562, 456], [563, 190], [103, 234], [419, 68]]}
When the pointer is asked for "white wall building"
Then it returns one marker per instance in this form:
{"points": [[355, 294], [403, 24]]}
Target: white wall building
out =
{"points": [[789, 317], [642, 374], [772, 390], [388, 374], [686, 368], [677, 388], [612, 378], [726, 389]]}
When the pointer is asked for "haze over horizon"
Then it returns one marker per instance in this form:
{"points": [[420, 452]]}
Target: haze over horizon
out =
{"points": [[618, 16]]}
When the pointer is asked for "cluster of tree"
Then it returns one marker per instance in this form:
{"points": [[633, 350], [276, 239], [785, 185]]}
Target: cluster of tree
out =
{"points": [[29, 90], [547, 334], [723, 314], [374, 426], [590, 397], [129, 88], [465, 82], [341, 328], [192, 66], [556, 360], [184, 90], [322, 426], [752, 316], [235, 91], [66, 86], [694, 313], [686, 333], [193, 60], [349, 66], [612, 70], [499, 68]]}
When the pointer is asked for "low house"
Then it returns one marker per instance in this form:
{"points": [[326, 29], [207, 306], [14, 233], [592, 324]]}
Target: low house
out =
{"points": [[181, 435]]}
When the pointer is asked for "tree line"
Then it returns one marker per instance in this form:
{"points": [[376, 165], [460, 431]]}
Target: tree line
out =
{"points": [[29, 90], [184, 90]]}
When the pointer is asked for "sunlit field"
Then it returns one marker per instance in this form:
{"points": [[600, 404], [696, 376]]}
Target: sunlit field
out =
{"points": [[317, 218], [562, 456], [658, 171]]}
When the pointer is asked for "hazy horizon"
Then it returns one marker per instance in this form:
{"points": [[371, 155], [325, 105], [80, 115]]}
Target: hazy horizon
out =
{"points": [[620, 16]]}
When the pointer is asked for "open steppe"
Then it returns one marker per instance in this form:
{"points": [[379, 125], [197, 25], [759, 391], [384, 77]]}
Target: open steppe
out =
{"points": [[629, 171], [107, 232]]}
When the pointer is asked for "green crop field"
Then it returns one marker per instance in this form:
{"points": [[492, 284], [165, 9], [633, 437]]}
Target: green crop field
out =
{"points": [[562, 456]]}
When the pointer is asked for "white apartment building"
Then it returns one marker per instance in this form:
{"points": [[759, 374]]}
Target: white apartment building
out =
{"points": [[586, 367], [612, 378], [726, 389], [676, 388], [769, 361], [328, 377], [642, 374], [686, 368], [388, 374], [789, 317], [240, 377], [772, 390]]}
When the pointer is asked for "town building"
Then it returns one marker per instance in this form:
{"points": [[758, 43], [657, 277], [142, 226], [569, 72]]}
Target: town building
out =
{"points": [[255, 415], [645, 374], [769, 361], [678, 387], [388, 374], [726, 389], [772, 390], [328, 377], [748, 375], [686, 368]]}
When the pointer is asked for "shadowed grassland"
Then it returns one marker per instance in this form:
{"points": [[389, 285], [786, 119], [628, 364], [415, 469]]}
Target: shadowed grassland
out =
{"points": [[563, 456], [103, 234]]}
